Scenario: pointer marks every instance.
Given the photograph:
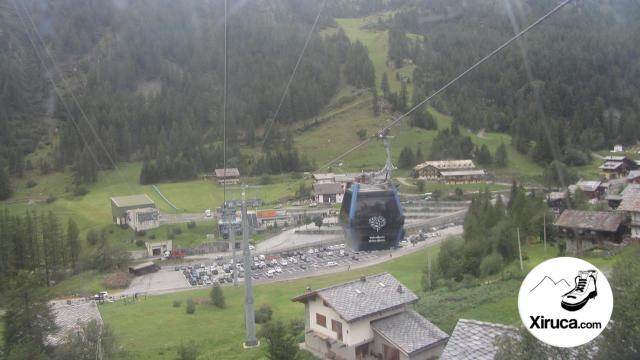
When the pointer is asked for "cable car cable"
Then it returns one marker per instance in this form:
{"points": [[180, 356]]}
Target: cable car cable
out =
{"points": [[454, 80], [293, 74], [73, 96]]}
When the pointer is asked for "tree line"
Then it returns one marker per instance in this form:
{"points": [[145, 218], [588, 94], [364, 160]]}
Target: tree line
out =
{"points": [[490, 236], [40, 244], [542, 91]]}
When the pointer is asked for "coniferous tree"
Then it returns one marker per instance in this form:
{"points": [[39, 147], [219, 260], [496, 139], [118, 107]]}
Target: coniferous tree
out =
{"points": [[403, 96], [5, 183], [375, 103], [384, 85], [483, 156], [28, 319], [501, 156], [407, 158], [281, 344], [73, 243], [217, 296]]}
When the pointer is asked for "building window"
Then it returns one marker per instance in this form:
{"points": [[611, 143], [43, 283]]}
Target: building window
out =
{"points": [[321, 320], [336, 326], [390, 353]]}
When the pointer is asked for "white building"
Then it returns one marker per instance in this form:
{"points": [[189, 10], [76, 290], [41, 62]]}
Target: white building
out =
{"points": [[328, 193], [143, 219], [369, 318]]}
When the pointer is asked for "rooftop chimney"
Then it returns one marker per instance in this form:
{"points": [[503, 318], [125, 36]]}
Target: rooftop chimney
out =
{"points": [[400, 290]]}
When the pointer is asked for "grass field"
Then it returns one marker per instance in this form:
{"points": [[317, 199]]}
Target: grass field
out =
{"points": [[219, 333], [93, 210], [378, 44]]}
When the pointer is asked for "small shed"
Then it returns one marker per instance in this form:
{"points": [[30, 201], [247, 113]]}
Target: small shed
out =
{"points": [[159, 247], [121, 204], [143, 268], [228, 176]]}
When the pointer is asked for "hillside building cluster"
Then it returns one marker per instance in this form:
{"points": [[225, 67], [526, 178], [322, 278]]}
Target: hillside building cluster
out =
{"points": [[620, 224]]}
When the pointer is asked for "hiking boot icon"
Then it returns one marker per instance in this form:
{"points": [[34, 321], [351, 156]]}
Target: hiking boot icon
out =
{"points": [[584, 290]]}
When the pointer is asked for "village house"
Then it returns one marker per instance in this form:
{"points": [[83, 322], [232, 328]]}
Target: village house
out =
{"points": [[584, 230], [328, 193], [592, 190], [450, 172], [477, 340], [230, 176], [432, 170], [615, 167], [369, 318], [630, 205]]}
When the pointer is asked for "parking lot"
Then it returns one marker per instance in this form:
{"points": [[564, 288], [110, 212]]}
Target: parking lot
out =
{"points": [[299, 261]]}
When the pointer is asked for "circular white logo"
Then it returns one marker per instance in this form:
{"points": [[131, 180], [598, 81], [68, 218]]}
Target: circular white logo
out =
{"points": [[565, 302], [377, 222]]}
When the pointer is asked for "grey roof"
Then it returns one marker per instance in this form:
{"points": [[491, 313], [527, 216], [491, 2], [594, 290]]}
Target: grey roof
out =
{"points": [[472, 339], [358, 299], [327, 188], [69, 315], [324, 176], [590, 220], [630, 202], [633, 174], [611, 165], [231, 172], [630, 189], [615, 158], [409, 331], [143, 265], [589, 185], [132, 200], [447, 164]]}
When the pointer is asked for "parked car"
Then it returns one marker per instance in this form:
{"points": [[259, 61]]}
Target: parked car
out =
{"points": [[332, 263], [303, 266]]}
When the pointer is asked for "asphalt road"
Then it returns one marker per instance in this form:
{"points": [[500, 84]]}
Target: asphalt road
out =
{"points": [[183, 218]]}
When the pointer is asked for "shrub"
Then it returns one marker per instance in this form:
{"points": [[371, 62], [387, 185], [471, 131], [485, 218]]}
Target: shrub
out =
{"points": [[187, 351], [80, 190], [152, 236], [177, 230], [139, 242], [191, 306], [265, 180], [177, 303], [217, 297], [31, 183], [191, 224], [491, 264], [263, 314], [51, 198]]}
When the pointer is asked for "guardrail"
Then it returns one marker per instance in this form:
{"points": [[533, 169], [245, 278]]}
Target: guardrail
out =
{"points": [[157, 190]]}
